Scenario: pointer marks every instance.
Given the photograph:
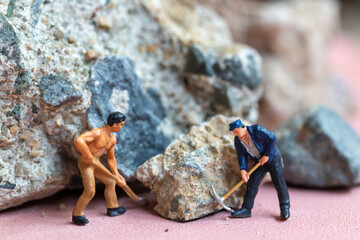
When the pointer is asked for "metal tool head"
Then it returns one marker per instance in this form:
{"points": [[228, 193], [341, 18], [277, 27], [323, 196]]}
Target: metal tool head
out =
{"points": [[221, 200], [142, 202]]}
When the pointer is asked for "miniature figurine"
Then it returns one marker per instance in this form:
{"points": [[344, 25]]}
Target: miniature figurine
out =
{"points": [[260, 144], [92, 145]]}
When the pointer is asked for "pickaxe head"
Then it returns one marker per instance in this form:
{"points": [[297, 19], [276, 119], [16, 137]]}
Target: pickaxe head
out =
{"points": [[221, 200], [142, 202]]}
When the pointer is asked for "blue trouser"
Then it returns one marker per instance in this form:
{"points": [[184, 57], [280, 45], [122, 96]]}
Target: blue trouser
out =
{"points": [[276, 171]]}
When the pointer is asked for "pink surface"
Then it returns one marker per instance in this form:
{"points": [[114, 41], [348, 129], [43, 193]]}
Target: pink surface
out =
{"points": [[314, 214]]}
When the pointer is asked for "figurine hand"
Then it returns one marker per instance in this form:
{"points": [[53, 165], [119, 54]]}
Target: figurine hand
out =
{"points": [[89, 160], [244, 175], [263, 160], [121, 180]]}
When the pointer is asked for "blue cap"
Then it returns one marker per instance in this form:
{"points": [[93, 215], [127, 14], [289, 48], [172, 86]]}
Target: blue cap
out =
{"points": [[235, 124]]}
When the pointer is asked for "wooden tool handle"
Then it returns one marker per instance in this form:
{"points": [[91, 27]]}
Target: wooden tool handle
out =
{"points": [[125, 187], [240, 183], [107, 172], [130, 193]]}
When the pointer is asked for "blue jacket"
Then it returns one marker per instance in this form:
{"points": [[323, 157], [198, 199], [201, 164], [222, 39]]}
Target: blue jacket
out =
{"points": [[264, 141]]}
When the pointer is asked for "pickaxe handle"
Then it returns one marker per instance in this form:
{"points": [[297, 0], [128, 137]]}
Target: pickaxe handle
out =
{"points": [[240, 183], [139, 200]]}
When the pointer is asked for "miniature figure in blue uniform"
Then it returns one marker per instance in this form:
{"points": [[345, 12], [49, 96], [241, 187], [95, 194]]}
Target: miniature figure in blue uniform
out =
{"points": [[260, 144]]}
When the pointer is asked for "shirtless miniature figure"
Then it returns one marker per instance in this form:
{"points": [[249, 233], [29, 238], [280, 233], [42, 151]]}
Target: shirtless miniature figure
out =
{"points": [[92, 145]]}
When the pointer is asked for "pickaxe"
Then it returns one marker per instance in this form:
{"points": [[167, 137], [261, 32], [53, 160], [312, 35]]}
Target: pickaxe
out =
{"points": [[138, 200], [223, 198]]}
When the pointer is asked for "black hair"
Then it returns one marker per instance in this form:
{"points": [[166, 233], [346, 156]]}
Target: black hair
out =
{"points": [[115, 117]]}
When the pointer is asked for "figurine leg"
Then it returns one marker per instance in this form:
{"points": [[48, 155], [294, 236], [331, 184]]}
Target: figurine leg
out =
{"points": [[252, 187], [87, 174], [109, 193], [277, 175]]}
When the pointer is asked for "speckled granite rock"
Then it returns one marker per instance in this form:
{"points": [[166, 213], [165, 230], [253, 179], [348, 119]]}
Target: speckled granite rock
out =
{"points": [[293, 38], [55, 56], [182, 176], [319, 150]]}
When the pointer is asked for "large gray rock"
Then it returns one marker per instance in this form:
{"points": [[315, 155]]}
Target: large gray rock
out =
{"points": [[66, 64], [116, 87], [319, 150], [182, 176]]}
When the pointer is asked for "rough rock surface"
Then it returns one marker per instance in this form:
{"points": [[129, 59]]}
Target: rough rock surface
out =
{"points": [[319, 150], [56, 55], [56, 90], [293, 38], [224, 80], [114, 81], [182, 176]]}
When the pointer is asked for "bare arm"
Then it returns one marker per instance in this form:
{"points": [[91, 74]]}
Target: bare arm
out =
{"points": [[82, 141]]}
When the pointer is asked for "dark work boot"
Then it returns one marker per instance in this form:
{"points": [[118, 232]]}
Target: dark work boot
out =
{"points": [[241, 213], [112, 212], [80, 220], [285, 213]]}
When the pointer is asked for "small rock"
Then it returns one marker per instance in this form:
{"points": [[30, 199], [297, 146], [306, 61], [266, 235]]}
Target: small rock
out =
{"points": [[58, 34], [62, 206], [56, 90], [104, 23], [25, 135], [71, 39], [34, 153], [90, 55], [8, 185], [182, 176], [28, 47], [319, 150], [14, 129], [35, 144], [16, 113], [151, 48], [42, 214]]}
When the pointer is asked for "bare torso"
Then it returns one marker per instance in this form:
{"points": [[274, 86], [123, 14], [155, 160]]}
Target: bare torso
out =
{"points": [[95, 143], [101, 144]]}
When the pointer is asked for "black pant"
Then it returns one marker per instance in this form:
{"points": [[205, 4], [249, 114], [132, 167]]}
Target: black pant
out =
{"points": [[276, 171]]}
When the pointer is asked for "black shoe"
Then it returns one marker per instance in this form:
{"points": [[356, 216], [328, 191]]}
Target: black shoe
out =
{"points": [[241, 213], [80, 220], [285, 213], [112, 212]]}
